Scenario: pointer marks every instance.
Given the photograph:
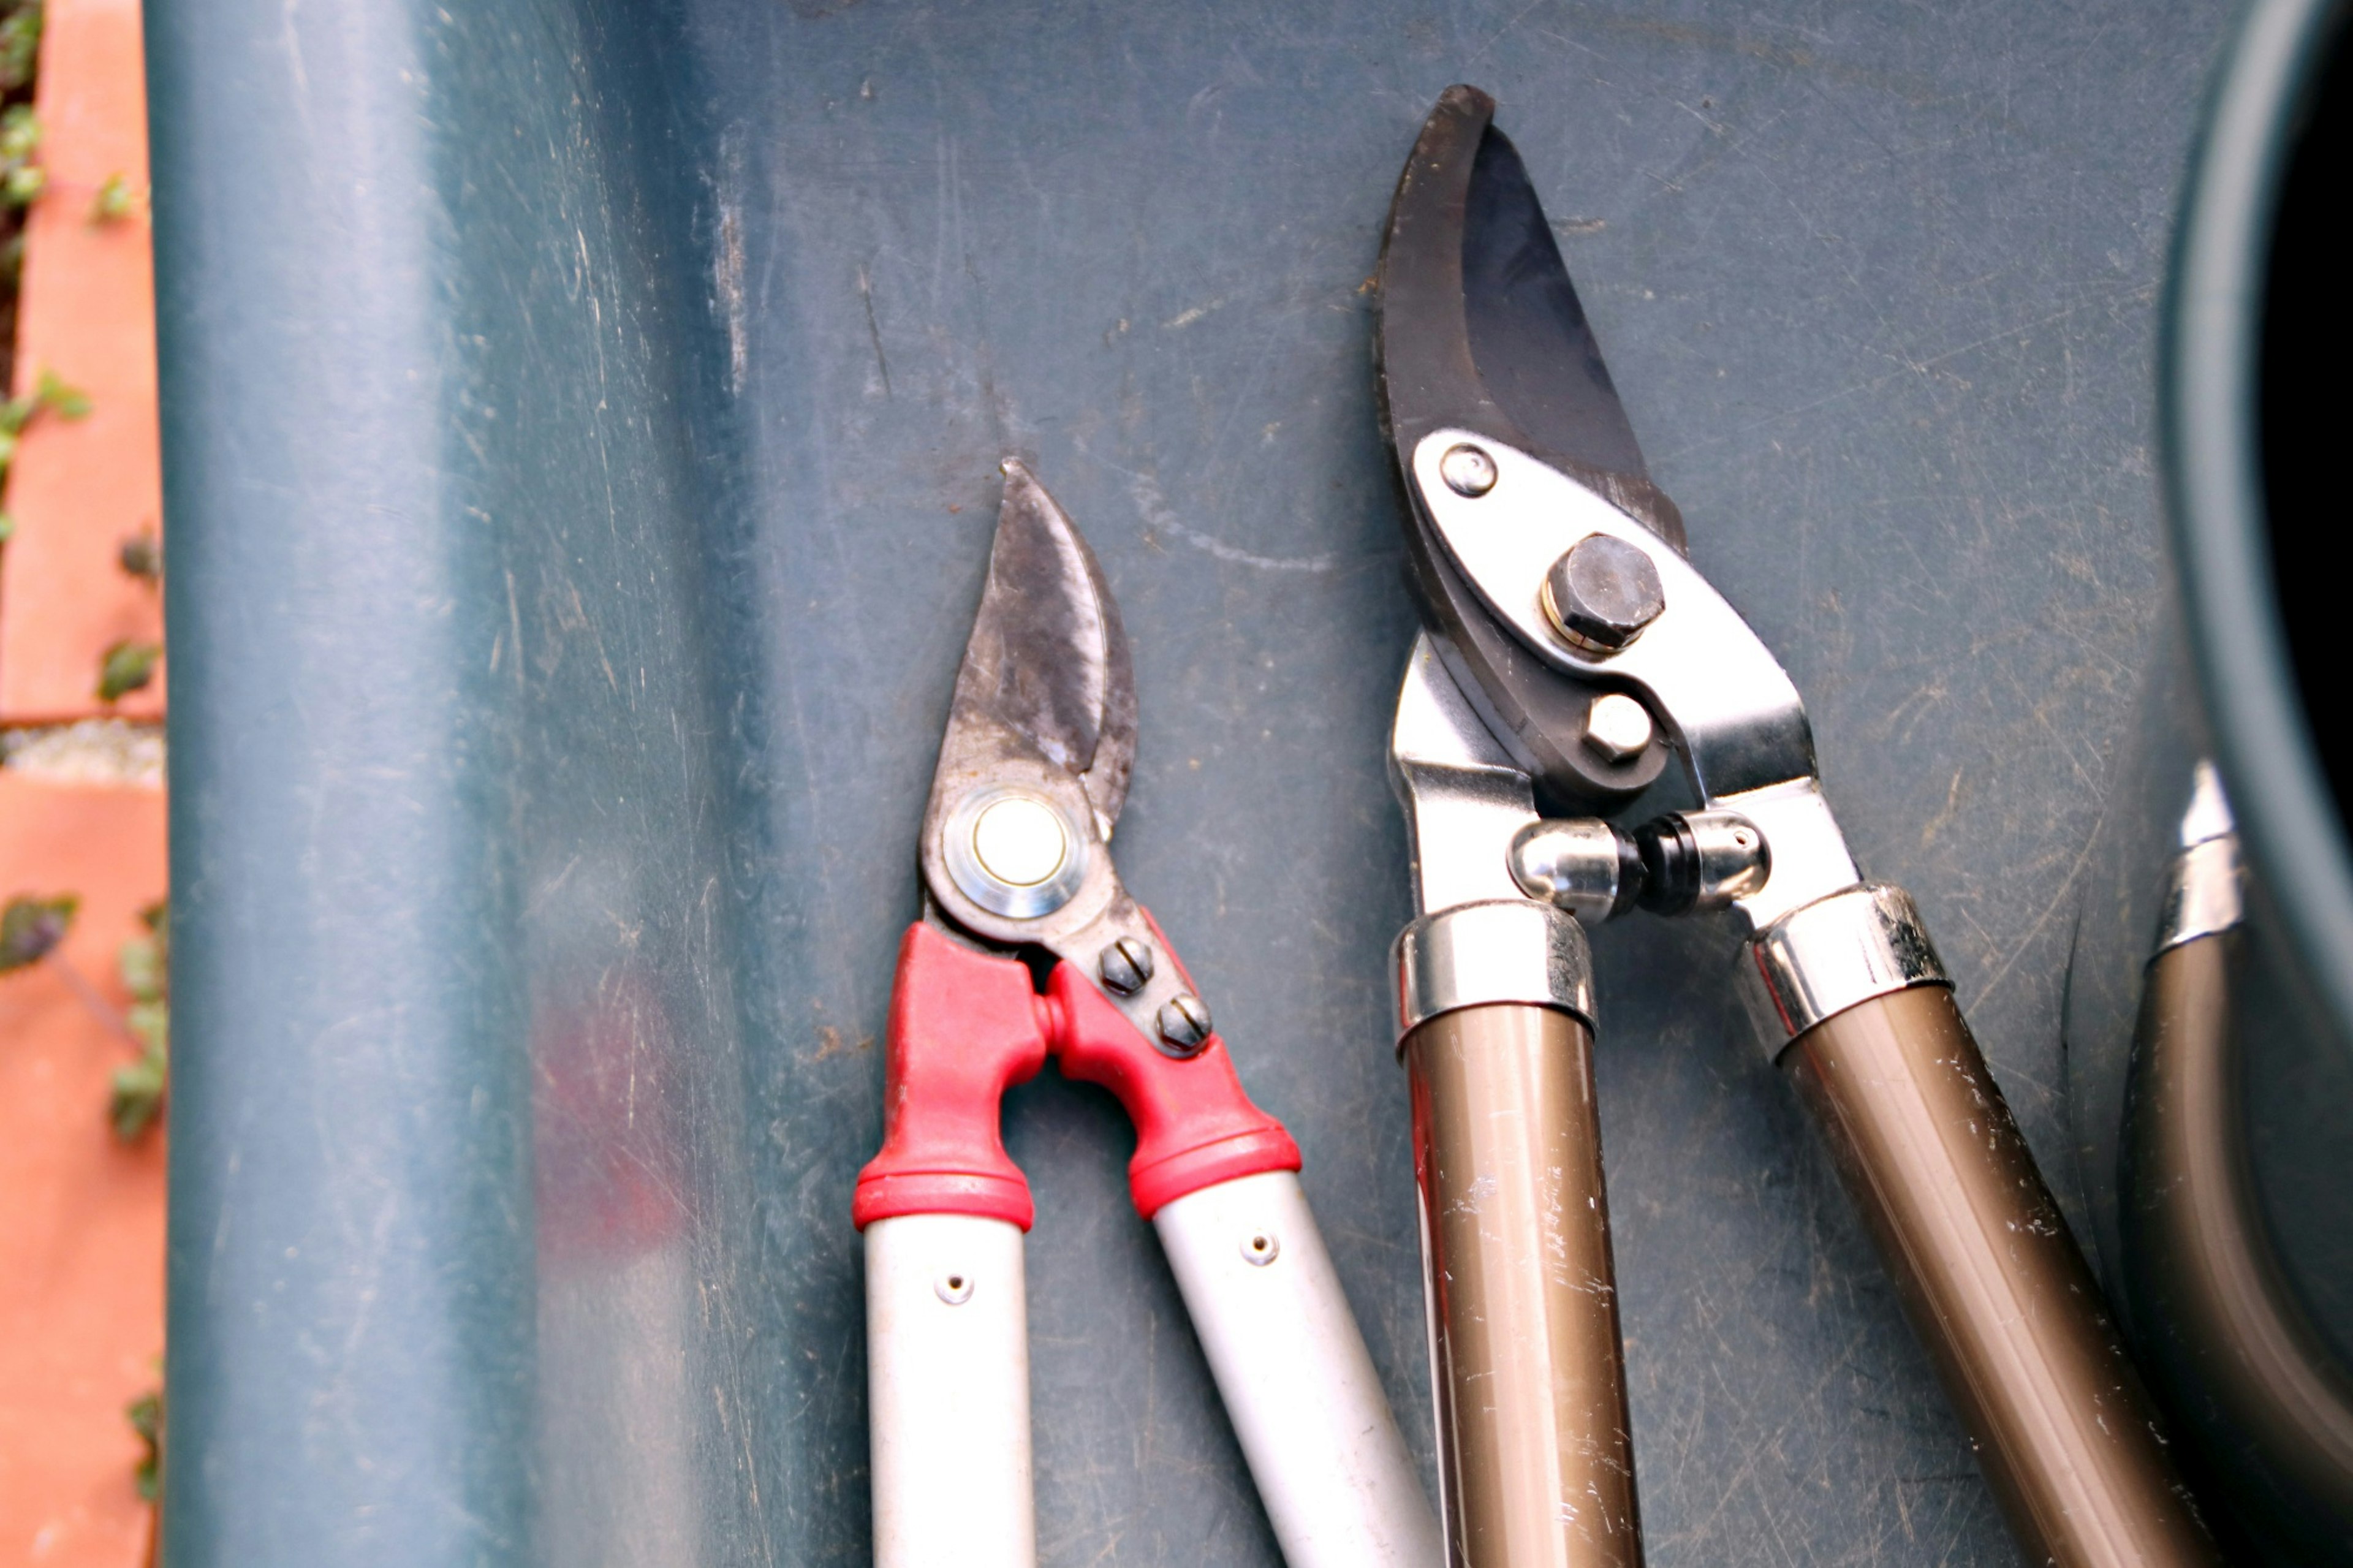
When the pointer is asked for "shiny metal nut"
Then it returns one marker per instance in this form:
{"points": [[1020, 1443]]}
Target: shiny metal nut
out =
{"points": [[1125, 966], [1467, 470], [1602, 592], [1617, 727], [1184, 1022]]}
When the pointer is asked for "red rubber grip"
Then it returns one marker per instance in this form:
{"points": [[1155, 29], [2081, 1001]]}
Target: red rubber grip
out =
{"points": [[965, 1027], [1194, 1125]]}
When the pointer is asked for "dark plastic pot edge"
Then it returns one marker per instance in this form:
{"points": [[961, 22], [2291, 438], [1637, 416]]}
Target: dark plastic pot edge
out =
{"points": [[2211, 365]]}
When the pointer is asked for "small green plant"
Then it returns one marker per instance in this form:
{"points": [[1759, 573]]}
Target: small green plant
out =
{"points": [[51, 391], [127, 667], [145, 1415], [20, 44], [51, 396], [116, 200], [140, 555], [22, 180], [141, 1088], [32, 926]]}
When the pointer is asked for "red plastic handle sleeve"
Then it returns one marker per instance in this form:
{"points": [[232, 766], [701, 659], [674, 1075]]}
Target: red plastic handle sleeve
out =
{"points": [[1194, 1125], [965, 1027]]}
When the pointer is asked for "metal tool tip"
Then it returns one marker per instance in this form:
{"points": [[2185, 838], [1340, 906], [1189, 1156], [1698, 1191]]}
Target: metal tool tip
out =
{"points": [[1462, 95]]}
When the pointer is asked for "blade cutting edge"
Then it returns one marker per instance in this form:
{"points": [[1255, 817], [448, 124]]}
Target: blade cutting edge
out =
{"points": [[1048, 658]]}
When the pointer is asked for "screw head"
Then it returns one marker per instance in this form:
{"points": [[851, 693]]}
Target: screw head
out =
{"points": [[1467, 470], [1184, 1022], [1617, 727], [1125, 966], [1602, 592]]}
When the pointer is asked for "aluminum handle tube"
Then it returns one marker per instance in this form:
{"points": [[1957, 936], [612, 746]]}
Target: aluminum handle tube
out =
{"points": [[1536, 1467], [1298, 1384], [947, 1357], [1995, 1286], [2226, 1337]]}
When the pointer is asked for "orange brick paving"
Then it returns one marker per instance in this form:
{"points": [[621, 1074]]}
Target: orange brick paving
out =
{"points": [[88, 312], [81, 1217]]}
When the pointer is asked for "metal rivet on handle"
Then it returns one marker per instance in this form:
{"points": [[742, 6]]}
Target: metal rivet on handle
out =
{"points": [[1261, 1248], [1127, 965], [1184, 1022], [955, 1289]]}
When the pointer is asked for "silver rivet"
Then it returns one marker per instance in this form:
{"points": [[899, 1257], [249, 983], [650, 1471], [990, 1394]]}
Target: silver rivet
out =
{"points": [[955, 1289], [1467, 470], [1602, 592], [1184, 1022], [1019, 840], [1014, 852], [1261, 1248], [1125, 966], [1617, 727]]}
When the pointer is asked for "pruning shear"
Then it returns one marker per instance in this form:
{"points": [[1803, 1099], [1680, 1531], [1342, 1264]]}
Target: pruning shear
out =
{"points": [[1019, 883], [1569, 651]]}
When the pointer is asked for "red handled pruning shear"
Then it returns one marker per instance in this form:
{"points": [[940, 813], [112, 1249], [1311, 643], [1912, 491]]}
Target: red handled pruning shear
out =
{"points": [[1016, 865]]}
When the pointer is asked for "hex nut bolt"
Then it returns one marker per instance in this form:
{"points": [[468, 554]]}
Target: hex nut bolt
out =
{"points": [[1617, 727], [1602, 592], [1467, 470], [1125, 966], [1184, 1022]]}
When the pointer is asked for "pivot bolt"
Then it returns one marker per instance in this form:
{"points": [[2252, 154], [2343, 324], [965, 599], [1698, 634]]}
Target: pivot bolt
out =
{"points": [[1184, 1022], [1019, 840], [1602, 592], [1467, 470], [1617, 727], [1125, 966]]}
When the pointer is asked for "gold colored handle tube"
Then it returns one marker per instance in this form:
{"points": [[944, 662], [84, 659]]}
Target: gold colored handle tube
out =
{"points": [[1995, 1286], [1536, 1463], [2230, 1341]]}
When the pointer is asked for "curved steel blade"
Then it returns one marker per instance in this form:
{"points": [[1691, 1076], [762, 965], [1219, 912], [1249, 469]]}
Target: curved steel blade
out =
{"points": [[1480, 325], [1480, 329], [1048, 659]]}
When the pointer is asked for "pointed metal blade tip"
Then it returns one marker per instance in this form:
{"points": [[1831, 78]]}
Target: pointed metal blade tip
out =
{"points": [[1047, 656]]}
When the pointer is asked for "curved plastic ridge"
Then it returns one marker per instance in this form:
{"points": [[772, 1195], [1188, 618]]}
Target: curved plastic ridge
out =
{"points": [[965, 1027], [1195, 1127]]}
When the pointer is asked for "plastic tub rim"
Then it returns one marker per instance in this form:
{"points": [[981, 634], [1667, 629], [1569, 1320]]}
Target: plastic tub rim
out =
{"points": [[2211, 365]]}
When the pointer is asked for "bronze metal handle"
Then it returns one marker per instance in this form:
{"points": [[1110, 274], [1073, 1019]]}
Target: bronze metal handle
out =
{"points": [[2226, 1336], [1535, 1462], [1995, 1286]]}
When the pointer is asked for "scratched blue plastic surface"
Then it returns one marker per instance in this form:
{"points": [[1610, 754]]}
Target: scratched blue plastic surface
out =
{"points": [[581, 430]]}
